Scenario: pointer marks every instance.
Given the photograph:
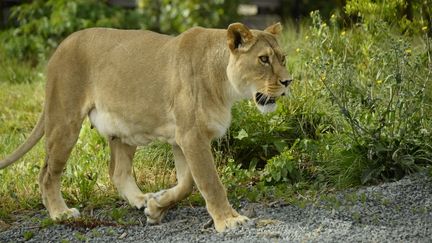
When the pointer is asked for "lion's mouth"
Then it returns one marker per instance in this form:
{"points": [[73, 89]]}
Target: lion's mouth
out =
{"points": [[263, 99]]}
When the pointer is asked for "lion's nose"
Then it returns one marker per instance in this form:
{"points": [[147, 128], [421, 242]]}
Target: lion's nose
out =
{"points": [[285, 82]]}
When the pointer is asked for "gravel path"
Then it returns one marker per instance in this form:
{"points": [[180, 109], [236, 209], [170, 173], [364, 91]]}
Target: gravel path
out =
{"points": [[392, 212]]}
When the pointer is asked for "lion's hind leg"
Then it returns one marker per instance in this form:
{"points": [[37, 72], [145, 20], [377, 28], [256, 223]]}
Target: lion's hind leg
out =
{"points": [[61, 136], [158, 203], [121, 172]]}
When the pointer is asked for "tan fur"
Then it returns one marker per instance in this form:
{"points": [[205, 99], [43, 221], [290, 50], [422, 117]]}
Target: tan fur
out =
{"points": [[137, 86]]}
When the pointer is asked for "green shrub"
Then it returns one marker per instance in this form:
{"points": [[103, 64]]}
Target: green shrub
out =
{"points": [[253, 137], [410, 17], [176, 16], [283, 167], [381, 86], [43, 24]]}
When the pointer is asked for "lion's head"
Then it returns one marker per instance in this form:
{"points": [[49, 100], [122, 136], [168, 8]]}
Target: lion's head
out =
{"points": [[256, 66]]}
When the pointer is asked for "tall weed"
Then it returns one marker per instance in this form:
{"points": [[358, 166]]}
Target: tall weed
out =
{"points": [[378, 81]]}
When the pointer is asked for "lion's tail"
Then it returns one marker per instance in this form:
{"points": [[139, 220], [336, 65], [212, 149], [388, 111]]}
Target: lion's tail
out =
{"points": [[35, 136]]}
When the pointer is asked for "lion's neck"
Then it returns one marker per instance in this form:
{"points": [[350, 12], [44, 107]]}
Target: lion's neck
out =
{"points": [[221, 87]]}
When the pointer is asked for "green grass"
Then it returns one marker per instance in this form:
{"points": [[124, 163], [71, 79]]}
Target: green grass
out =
{"points": [[21, 104]]}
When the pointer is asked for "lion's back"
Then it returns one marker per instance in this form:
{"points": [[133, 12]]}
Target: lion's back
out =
{"points": [[95, 43]]}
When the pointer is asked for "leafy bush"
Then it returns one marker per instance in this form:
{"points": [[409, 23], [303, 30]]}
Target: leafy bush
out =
{"points": [[176, 16], [253, 137], [381, 89], [410, 16], [283, 167], [43, 24]]}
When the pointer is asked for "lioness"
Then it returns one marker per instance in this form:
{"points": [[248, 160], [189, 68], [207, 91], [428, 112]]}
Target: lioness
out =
{"points": [[137, 86]]}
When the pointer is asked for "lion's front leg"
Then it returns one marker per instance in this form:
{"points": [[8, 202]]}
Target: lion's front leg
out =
{"points": [[197, 151]]}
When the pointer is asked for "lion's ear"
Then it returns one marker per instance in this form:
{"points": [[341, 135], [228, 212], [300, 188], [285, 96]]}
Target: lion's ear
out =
{"points": [[274, 29], [238, 36]]}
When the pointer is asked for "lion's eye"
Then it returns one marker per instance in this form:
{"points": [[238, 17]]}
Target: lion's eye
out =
{"points": [[264, 59], [283, 60]]}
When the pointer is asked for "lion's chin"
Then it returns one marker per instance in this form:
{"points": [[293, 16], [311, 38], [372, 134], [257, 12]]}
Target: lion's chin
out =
{"points": [[266, 108]]}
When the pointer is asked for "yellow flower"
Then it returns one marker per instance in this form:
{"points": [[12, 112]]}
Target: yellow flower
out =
{"points": [[331, 50], [307, 37], [343, 33], [379, 81], [408, 51], [324, 25], [333, 16], [323, 77], [298, 50], [424, 28]]}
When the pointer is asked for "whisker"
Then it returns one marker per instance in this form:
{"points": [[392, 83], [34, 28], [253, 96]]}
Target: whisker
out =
{"points": [[262, 99]]}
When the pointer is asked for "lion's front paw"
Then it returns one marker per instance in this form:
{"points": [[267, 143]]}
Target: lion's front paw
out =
{"points": [[66, 214], [153, 210], [230, 223]]}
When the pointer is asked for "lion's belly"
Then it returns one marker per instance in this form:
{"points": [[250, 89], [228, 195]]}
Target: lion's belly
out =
{"points": [[132, 133]]}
